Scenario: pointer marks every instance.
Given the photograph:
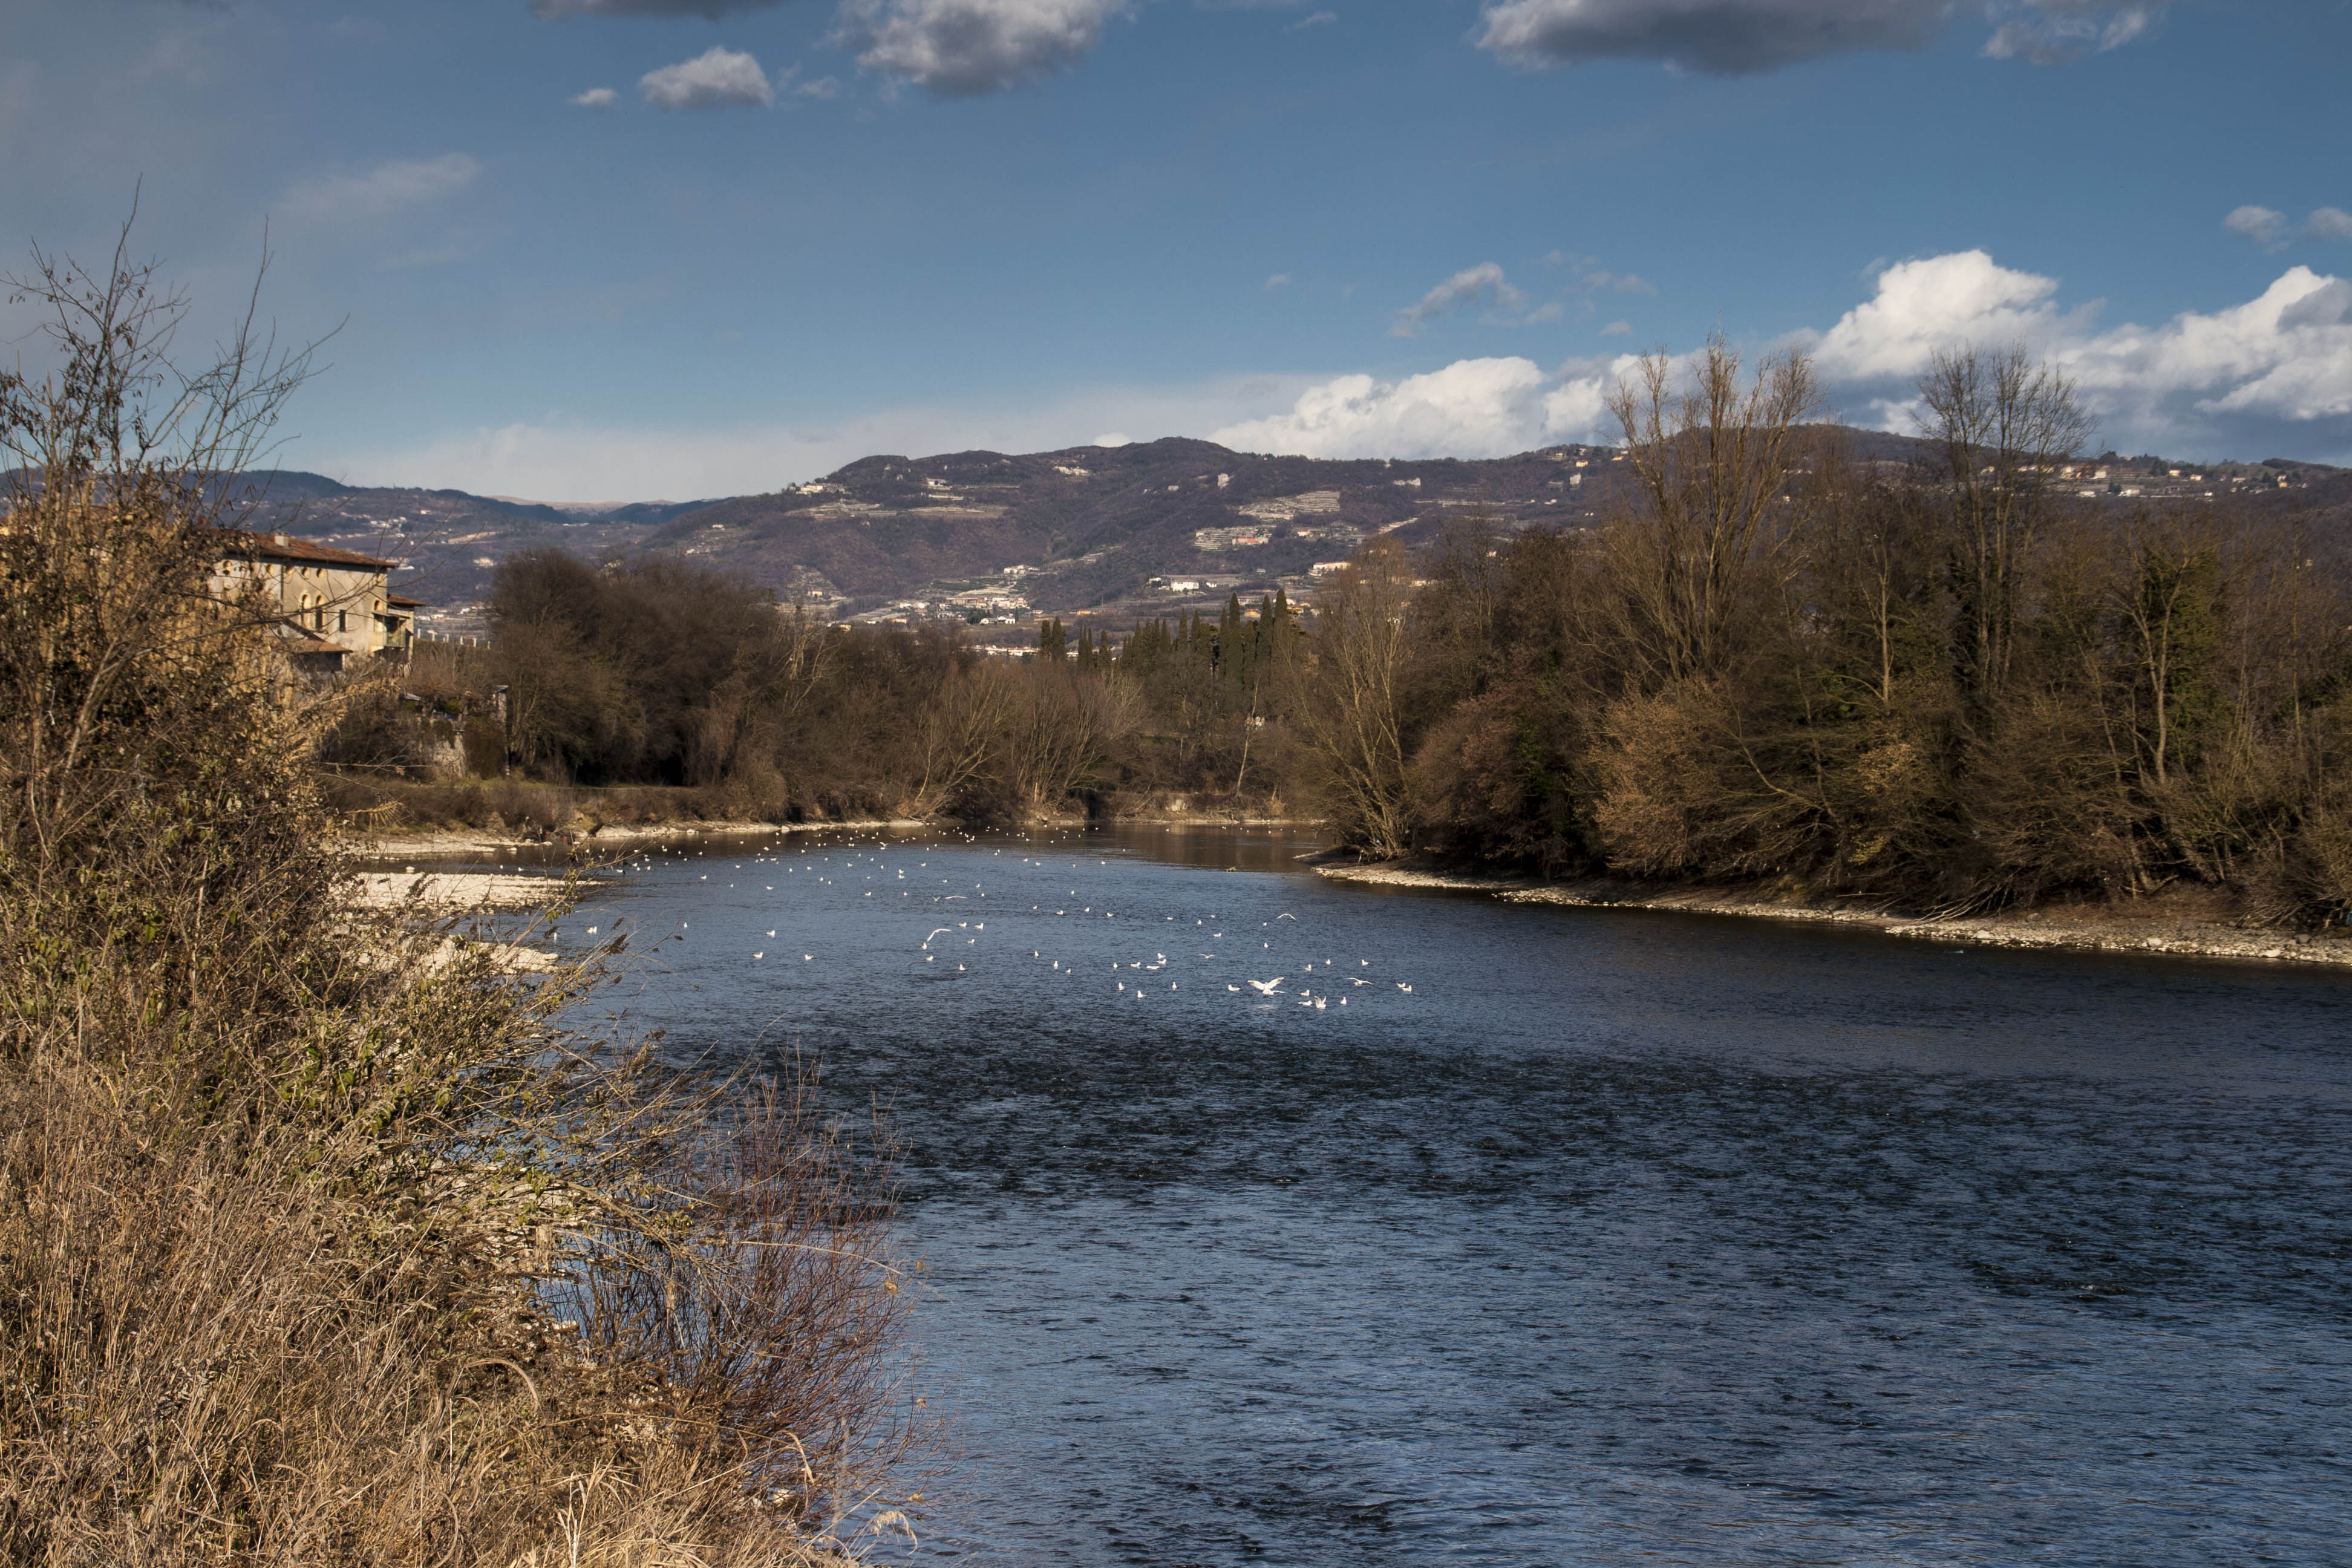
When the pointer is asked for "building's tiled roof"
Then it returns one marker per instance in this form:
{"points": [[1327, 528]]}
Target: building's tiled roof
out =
{"points": [[397, 602], [286, 547]]}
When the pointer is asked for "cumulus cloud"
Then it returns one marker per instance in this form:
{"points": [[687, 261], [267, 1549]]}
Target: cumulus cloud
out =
{"points": [[2261, 225], [1618, 330], [1734, 37], [1483, 284], [2275, 373], [1279, 281], [2277, 367], [1472, 409], [957, 48], [386, 188], [597, 98], [712, 79], [1938, 303], [710, 10], [2328, 223]]}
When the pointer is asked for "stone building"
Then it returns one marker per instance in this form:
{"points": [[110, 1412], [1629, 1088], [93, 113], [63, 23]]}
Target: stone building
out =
{"points": [[326, 605]]}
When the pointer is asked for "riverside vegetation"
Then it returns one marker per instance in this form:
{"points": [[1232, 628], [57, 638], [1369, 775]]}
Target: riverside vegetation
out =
{"points": [[1948, 685], [321, 1240]]}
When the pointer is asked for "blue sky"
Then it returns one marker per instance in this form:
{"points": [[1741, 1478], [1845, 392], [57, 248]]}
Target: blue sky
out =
{"points": [[787, 235]]}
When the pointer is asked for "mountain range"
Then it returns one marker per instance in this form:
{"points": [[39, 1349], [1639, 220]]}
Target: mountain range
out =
{"points": [[1123, 532]]}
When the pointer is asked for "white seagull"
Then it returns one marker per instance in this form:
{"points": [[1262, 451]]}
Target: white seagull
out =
{"points": [[1266, 987]]}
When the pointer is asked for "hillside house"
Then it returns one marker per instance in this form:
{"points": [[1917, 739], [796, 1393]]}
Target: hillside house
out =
{"points": [[327, 603]]}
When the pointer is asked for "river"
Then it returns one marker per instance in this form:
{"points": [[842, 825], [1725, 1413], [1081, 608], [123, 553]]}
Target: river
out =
{"points": [[1516, 1234]]}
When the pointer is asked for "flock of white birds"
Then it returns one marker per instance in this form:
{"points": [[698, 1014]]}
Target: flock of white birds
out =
{"points": [[912, 872]]}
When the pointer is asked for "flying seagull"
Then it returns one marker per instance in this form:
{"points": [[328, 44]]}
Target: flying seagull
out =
{"points": [[1266, 987]]}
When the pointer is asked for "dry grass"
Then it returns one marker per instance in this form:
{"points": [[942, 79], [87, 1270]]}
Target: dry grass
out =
{"points": [[516, 805], [318, 1245]]}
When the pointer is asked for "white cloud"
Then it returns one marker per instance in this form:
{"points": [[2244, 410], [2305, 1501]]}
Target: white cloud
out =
{"points": [[597, 98], [2261, 225], [1733, 37], [2328, 223], [2275, 373], [1319, 19], [1934, 302], [823, 87], [1472, 409], [2267, 226], [715, 77], [1484, 283], [387, 187], [957, 48], [2055, 32], [1618, 330], [1279, 281], [2278, 367]]}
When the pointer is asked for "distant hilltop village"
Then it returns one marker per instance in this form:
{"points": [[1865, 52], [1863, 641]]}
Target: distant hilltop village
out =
{"points": [[1116, 532]]}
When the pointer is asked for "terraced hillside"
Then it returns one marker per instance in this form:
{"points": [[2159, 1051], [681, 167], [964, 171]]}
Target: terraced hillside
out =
{"points": [[1119, 531]]}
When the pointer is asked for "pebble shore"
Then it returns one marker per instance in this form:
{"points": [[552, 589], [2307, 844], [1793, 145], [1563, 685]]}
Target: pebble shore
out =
{"points": [[2108, 933]]}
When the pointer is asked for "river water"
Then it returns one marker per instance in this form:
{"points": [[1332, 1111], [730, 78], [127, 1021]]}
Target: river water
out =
{"points": [[1617, 1238]]}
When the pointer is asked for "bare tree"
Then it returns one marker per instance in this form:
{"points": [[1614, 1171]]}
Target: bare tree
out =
{"points": [[960, 732], [1350, 711], [2005, 424], [2169, 607], [119, 484], [1710, 465]]}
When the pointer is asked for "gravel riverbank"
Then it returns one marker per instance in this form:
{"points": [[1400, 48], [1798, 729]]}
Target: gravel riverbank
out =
{"points": [[2154, 926]]}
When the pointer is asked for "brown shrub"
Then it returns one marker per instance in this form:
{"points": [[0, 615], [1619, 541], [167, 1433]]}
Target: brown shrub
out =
{"points": [[289, 1194]]}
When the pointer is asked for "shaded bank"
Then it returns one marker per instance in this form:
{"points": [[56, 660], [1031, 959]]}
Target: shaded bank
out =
{"points": [[2189, 925]]}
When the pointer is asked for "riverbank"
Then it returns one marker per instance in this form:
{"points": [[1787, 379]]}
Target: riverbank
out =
{"points": [[2194, 924], [452, 843], [461, 842]]}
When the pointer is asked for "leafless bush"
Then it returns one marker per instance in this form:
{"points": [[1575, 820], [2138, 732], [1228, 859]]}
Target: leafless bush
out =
{"points": [[286, 1191]]}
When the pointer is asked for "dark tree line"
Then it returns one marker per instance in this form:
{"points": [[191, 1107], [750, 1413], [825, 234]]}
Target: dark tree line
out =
{"points": [[1954, 685], [657, 672], [1943, 684]]}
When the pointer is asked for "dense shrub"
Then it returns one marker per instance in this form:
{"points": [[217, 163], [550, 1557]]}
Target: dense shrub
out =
{"points": [[323, 1240]]}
